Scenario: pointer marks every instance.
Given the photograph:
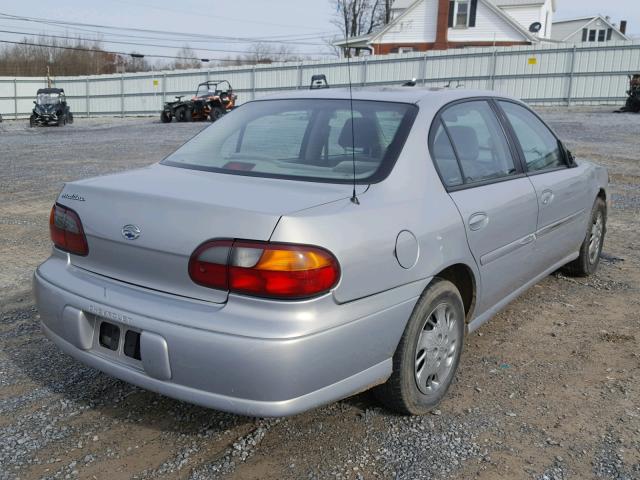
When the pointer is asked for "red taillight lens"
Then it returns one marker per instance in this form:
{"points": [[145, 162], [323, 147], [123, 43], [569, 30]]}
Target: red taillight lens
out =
{"points": [[264, 269], [66, 231]]}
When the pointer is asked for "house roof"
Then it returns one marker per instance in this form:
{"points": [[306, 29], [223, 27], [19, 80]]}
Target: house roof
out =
{"points": [[564, 29], [517, 3], [522, 3], [361, 41]]}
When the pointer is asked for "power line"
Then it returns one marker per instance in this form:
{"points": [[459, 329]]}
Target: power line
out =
{"points": [[139, 44], [163, 32], [66, 29]]}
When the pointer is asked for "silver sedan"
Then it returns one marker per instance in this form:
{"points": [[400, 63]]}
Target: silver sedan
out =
{"points": [[309, 246]]}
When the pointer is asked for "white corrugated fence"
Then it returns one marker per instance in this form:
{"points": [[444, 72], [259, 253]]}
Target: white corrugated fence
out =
{"points": [[586, 74]]}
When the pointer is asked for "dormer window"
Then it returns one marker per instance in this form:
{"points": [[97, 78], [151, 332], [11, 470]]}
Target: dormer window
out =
{"points": [[462, 13]]}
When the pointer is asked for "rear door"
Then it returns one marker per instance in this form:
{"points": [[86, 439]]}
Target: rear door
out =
{"points": [[496, 200], [560, 188]]}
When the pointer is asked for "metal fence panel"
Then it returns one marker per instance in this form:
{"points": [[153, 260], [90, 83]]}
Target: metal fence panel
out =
{"points": [[559, 74]]}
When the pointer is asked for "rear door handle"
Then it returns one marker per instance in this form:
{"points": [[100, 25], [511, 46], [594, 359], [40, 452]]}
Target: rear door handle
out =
{"points": [[547, 197], [478, 220]]}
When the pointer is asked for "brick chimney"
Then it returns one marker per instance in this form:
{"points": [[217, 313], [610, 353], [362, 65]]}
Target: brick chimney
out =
{"points": [[442, 32], [623, 27]]}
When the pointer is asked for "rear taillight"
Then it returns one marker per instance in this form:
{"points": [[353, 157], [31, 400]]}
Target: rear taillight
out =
{"points": [[66, 231], [262, 269]]}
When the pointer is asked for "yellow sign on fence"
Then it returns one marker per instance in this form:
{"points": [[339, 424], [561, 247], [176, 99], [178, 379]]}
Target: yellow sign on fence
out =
{"points": [[156, 83], [533, 61]]}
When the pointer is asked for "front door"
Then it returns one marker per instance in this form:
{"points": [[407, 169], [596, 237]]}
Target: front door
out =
{"points": [[562, 198]]}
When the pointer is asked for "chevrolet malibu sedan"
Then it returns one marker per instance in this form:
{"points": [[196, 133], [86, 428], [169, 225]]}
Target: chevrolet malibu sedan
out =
{"points": [[306, 248]]}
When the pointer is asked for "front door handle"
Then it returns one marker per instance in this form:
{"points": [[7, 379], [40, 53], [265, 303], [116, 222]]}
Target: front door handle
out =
{"points": [[478, 220], [547, 197]]}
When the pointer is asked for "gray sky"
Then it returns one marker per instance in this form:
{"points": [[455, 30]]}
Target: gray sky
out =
{"points": [[302, 22]]}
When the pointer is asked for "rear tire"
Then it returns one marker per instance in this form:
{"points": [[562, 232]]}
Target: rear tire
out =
{"points": [[587, 262], [427, 357], [216, 113]]}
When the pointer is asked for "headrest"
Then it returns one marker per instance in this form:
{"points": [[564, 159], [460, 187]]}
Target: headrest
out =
{"points": [[466, 142], [365, 134]]}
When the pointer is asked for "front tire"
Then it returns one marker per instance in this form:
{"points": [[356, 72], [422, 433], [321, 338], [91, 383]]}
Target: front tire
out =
{"points": [[165, 117], [587, 262], [428, 354]]}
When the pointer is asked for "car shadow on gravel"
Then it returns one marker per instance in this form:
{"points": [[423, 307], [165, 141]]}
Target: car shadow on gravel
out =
{"points": [[53, 373]]}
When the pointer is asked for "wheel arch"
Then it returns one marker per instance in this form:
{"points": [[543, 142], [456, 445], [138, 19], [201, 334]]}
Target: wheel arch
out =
{"points": [[462, 276]]}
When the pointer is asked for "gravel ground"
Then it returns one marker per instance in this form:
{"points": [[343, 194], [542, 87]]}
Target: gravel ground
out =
{"points": [[547, 390]]}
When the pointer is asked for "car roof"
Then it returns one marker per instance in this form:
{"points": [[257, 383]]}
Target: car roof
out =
{"points": [[388, 94]]}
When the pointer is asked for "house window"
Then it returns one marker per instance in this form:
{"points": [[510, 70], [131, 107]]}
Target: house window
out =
{"points": [[596, 35], [460, 13]]}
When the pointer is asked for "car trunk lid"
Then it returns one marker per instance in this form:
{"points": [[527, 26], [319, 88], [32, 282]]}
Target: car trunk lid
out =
{"points": [[142, 226]]}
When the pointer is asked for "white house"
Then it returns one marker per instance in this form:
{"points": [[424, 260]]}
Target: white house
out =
{"points": [[596, 29], [420, 25]]}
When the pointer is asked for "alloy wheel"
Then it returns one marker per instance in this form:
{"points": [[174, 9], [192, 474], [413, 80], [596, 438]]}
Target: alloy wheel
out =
{"points": [[438, 343]]}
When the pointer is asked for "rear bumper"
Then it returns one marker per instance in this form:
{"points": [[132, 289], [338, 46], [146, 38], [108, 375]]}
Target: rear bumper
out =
{"points": [[282, 371]]}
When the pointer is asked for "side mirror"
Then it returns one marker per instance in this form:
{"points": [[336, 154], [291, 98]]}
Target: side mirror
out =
{"points": [[34, 102], [571, 160]]}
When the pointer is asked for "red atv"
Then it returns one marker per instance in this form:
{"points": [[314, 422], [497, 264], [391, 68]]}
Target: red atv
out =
{"points": [[211, 101]]}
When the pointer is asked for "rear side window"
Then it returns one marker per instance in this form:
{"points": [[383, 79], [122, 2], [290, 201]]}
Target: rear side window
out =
{"points": [[478, 141], [445, 158], [540, 147]]}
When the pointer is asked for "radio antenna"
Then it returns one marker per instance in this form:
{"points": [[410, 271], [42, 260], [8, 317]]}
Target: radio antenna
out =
{"points": [[354, 197]]}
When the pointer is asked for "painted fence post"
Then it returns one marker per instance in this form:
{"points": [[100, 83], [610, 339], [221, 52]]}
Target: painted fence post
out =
{"points": [[87, 96], [15, 98], [571, 75], [494, 68], [122, 95], [364, 71], [253, 83]]}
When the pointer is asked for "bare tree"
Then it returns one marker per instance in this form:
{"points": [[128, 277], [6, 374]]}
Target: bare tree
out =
{"points": [[186, 59], [360, 17], [385, 11], [270, 53], [63, 57], [135, 63]]}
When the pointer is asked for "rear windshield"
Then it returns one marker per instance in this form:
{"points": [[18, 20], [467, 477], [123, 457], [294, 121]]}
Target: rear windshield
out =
{"points": [[311, 139]]}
